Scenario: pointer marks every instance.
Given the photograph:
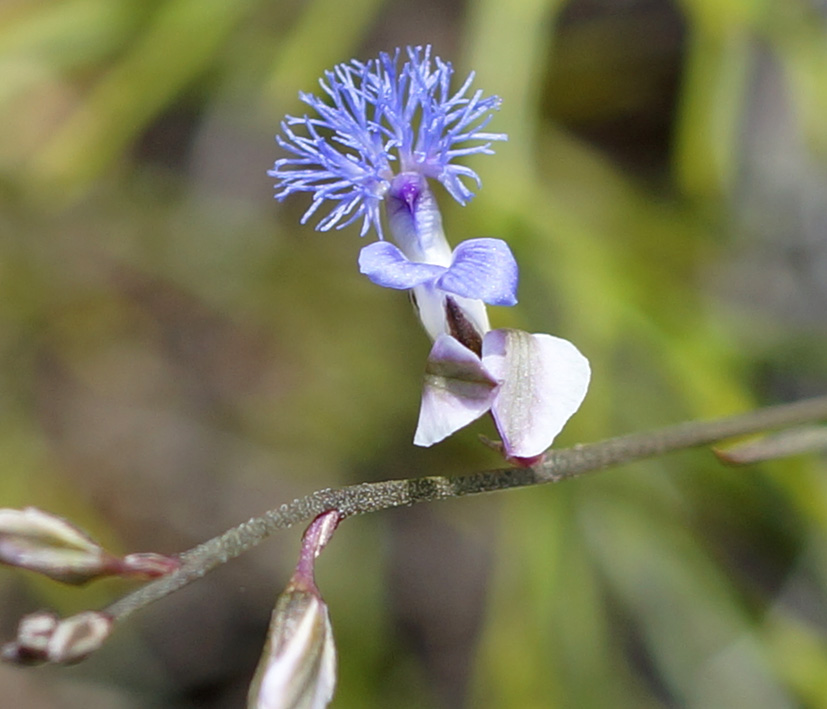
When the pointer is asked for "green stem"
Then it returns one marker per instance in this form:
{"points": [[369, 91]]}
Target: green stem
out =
{"points": [[373, 497]]}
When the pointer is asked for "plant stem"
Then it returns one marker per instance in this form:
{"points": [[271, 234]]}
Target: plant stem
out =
{"points": [[373, 497]]}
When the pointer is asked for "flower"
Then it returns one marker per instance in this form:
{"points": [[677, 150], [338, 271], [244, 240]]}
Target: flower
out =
{"points": [[381, 133], [376, 116], [531, 383]]}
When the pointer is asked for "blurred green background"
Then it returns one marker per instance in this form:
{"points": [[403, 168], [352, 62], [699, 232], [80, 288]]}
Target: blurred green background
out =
{"points": [[178, 354]]}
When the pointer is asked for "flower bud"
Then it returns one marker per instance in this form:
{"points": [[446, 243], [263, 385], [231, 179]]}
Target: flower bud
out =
{"points": [[42, 542], [39, 541], [298, 667], [43, 637], [78, 636]]}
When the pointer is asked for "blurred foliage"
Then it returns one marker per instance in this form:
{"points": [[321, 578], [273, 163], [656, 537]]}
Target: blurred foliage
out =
{"points": [[177, 353]]}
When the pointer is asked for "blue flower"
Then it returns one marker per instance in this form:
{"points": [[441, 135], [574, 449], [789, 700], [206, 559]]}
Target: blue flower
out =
{"points": [[379, 134], [377, 120]]}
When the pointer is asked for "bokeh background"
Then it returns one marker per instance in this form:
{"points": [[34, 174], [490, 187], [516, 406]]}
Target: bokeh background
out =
{"points": [[178, 354]]}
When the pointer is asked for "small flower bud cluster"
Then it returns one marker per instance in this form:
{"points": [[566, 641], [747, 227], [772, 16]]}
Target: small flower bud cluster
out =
{"points": [[43, 637], [377, 137]]}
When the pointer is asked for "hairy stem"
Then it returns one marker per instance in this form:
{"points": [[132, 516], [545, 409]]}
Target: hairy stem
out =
{"points": [[373, 497]]}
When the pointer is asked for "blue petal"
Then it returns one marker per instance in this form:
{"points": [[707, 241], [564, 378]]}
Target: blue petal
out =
{"points": [[483, 269], [387, 266]]}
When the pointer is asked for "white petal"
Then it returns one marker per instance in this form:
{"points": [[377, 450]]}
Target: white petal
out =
{"points": [[543, 382], [457, 390], [298, 669]]}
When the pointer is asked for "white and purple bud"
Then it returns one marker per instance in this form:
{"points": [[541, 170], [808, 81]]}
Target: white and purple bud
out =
{"points": [[43, 637], [50, 545], [298, 667]]}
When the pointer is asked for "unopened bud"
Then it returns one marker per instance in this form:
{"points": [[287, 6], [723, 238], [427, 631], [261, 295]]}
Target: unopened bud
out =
{"points": [[298, 668], [39, 541], [43, 637], [33, 635], [78, 636]]}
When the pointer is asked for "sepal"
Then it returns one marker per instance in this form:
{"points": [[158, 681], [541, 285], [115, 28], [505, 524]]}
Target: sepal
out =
{"points": [[531, 383], [544, 380]]}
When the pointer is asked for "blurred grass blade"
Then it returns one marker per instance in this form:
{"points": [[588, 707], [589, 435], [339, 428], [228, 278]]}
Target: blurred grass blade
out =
{"points": [[807, 439], [181, 42]]}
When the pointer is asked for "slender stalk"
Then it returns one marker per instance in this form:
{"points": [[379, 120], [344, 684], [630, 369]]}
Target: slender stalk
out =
{"points": [[372, 497]]}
